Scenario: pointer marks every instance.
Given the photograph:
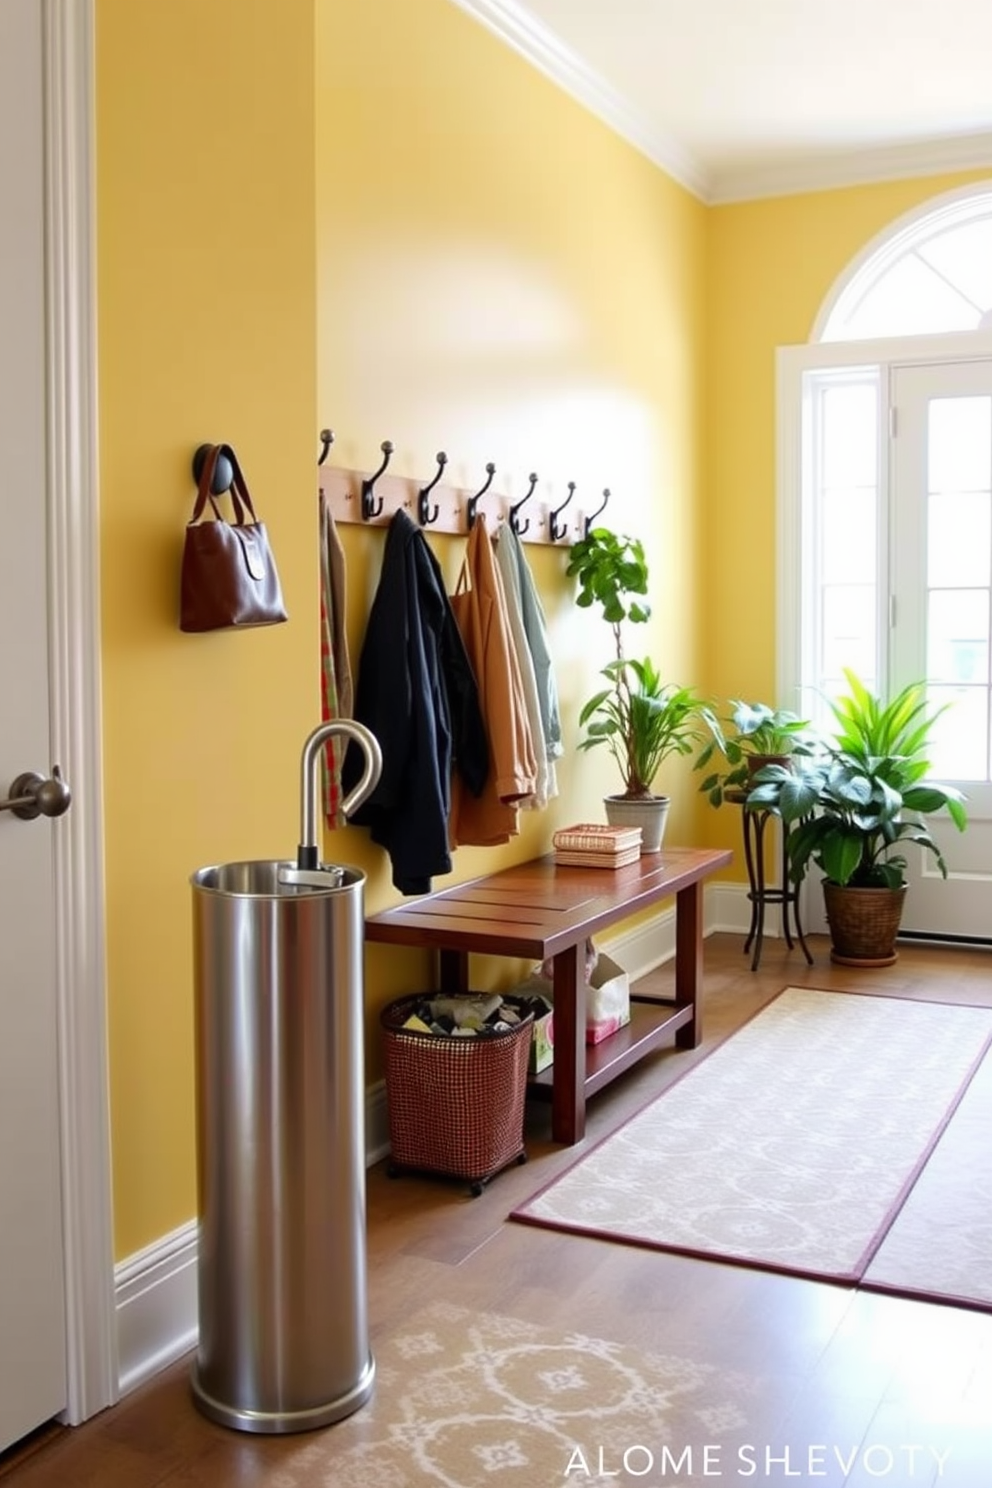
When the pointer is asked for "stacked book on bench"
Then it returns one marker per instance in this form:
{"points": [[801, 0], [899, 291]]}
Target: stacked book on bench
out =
{"points": [[596, 845]]}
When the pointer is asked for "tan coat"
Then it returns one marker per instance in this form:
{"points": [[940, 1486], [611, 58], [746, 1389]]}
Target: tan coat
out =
{"points": [[480, 611]]}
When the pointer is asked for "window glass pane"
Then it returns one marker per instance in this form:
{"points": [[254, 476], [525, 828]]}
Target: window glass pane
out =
{"points": [[848, 629], [850, 436], [964, 256], [959, 540], [840, 496], [960, 444], [910, 300], [958, 635], [844, 513], [960, 737], [935, 276]]}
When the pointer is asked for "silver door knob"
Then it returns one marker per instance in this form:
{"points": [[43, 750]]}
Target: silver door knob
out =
{"points": [[32, 795]]}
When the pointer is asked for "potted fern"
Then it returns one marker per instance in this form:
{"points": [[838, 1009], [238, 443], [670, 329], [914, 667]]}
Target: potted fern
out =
{"points": [[853, 805], [641, 719]]}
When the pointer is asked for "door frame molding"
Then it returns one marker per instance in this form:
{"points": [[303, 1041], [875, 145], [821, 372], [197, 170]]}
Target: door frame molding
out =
{"points": [[74, 671]]}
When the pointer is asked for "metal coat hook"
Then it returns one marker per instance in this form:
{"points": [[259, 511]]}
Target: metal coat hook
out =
{"points": [[558, 529], [369, 508], [473, 501], [590, 520], [423, 508], [326, 440], [514, 520], [223, 470]]}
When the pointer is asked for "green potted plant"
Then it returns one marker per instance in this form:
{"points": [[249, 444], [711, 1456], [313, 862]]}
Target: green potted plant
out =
{"points": [[761, 735], [853, 805], [640, 719]]}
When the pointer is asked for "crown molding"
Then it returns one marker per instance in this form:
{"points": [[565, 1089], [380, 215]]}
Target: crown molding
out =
{"points": [[815, 171], [539, 46], [828, 171]]}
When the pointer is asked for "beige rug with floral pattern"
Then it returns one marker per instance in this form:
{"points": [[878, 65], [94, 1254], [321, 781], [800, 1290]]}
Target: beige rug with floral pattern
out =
{"points": [[466, 1400], [799, 1142]]}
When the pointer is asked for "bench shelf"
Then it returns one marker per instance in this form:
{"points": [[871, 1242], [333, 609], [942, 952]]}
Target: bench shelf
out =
{"points": [[540, 910]]}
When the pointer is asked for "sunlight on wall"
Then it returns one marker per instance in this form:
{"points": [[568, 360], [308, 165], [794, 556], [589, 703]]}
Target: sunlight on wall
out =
{"points": [[515, 285]]}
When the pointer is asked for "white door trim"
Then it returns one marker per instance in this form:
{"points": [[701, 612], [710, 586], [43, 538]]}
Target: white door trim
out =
{"points": [[74, 670]]}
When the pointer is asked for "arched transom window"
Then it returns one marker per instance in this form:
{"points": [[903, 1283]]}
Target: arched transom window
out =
{"points": [[932, 274]]}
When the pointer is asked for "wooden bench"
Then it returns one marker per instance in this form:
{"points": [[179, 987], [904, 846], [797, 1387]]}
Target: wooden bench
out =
{"points": [[539, 910]]}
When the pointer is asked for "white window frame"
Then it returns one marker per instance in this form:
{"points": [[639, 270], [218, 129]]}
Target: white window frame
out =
{"points": [[792, 362]]}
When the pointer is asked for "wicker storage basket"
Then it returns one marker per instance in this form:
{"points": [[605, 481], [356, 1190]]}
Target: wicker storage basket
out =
{"points": [[456, 1105], [863, 924]]}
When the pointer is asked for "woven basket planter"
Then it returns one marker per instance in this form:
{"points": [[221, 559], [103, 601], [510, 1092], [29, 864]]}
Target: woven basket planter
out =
{"points": [[456, 1105], [863, 924]]}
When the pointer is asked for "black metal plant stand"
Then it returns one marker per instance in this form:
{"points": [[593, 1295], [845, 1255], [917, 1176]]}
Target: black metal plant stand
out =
{"points": [[760, 893]]}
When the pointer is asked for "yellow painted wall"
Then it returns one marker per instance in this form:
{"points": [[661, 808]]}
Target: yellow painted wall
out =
{"points": [[429, 243], [206, 294], [502, 278], [770, 266], [507, 283]]}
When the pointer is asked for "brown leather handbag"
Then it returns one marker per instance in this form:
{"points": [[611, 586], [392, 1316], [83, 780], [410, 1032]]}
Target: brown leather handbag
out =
{"points": [[229, 575]]}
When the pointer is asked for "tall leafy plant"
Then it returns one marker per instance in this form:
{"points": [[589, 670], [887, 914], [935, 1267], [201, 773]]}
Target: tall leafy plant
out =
{"points": [[613, 573], [642, 721], [639, 718], [865, 795]]}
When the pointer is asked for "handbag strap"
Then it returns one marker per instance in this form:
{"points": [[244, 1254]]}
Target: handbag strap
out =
{"points": [[239, 488], [203, 490], [240, 497]]}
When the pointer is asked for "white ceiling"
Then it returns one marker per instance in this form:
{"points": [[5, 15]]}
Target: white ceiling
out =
{"points": [[747, 98]]}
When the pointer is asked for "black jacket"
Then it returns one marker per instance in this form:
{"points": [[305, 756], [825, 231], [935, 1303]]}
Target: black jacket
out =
{"points": [[417, 694]]}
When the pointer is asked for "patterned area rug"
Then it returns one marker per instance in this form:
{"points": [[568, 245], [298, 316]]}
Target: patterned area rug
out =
{"points": [[795, 1144], [940, 1245], [465, 1400]]}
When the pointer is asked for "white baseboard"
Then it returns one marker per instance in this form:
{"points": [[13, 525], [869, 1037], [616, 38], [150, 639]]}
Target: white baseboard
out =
{"points": [[640, 950], [729, 909], [155, 1293], [155, 1289]]}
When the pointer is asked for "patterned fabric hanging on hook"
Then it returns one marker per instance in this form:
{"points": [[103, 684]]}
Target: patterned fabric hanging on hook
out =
{"points": [[336, 691]]}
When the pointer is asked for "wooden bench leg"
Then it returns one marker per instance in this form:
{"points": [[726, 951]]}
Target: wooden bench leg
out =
{"points": [[688, 962], [568, 1090], [453, 972]]}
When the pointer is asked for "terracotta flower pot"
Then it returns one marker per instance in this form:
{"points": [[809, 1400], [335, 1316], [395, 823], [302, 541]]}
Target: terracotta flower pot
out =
{"points": [[756, 762]]}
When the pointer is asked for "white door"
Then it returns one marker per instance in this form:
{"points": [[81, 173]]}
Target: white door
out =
{"points": [[32, 1309], [941, 623]]}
